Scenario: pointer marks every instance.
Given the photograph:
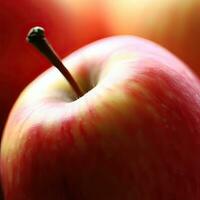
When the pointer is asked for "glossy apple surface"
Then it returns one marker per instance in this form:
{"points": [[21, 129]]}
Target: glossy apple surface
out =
{"points": [[173, 24], [134, 134], [69, 26]]}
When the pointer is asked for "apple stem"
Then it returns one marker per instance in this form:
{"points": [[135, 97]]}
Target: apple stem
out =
{"points": [[36, 36]]}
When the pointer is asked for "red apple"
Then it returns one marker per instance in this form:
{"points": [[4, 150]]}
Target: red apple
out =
{"points": [[174, 24], [69, 24], [134, 134]]}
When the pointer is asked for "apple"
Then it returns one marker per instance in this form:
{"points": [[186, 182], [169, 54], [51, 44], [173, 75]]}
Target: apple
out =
{"points": [[69, 25], [173, 24], [134, 133]]}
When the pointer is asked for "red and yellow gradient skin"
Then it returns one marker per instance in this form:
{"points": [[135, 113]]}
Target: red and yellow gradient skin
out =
{"points": [[68, 25], [175, 24], [134, 135]]}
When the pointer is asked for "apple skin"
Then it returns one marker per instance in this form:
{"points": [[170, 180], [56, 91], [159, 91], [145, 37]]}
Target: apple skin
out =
{"points": [[68, 25], [173, 24], [135, 134]]}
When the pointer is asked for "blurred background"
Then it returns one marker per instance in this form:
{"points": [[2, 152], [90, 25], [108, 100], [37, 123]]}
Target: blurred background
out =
{"points": [[70, 24]]}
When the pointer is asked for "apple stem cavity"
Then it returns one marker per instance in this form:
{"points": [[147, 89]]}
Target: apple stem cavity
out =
{"points": [[36, 36]]}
